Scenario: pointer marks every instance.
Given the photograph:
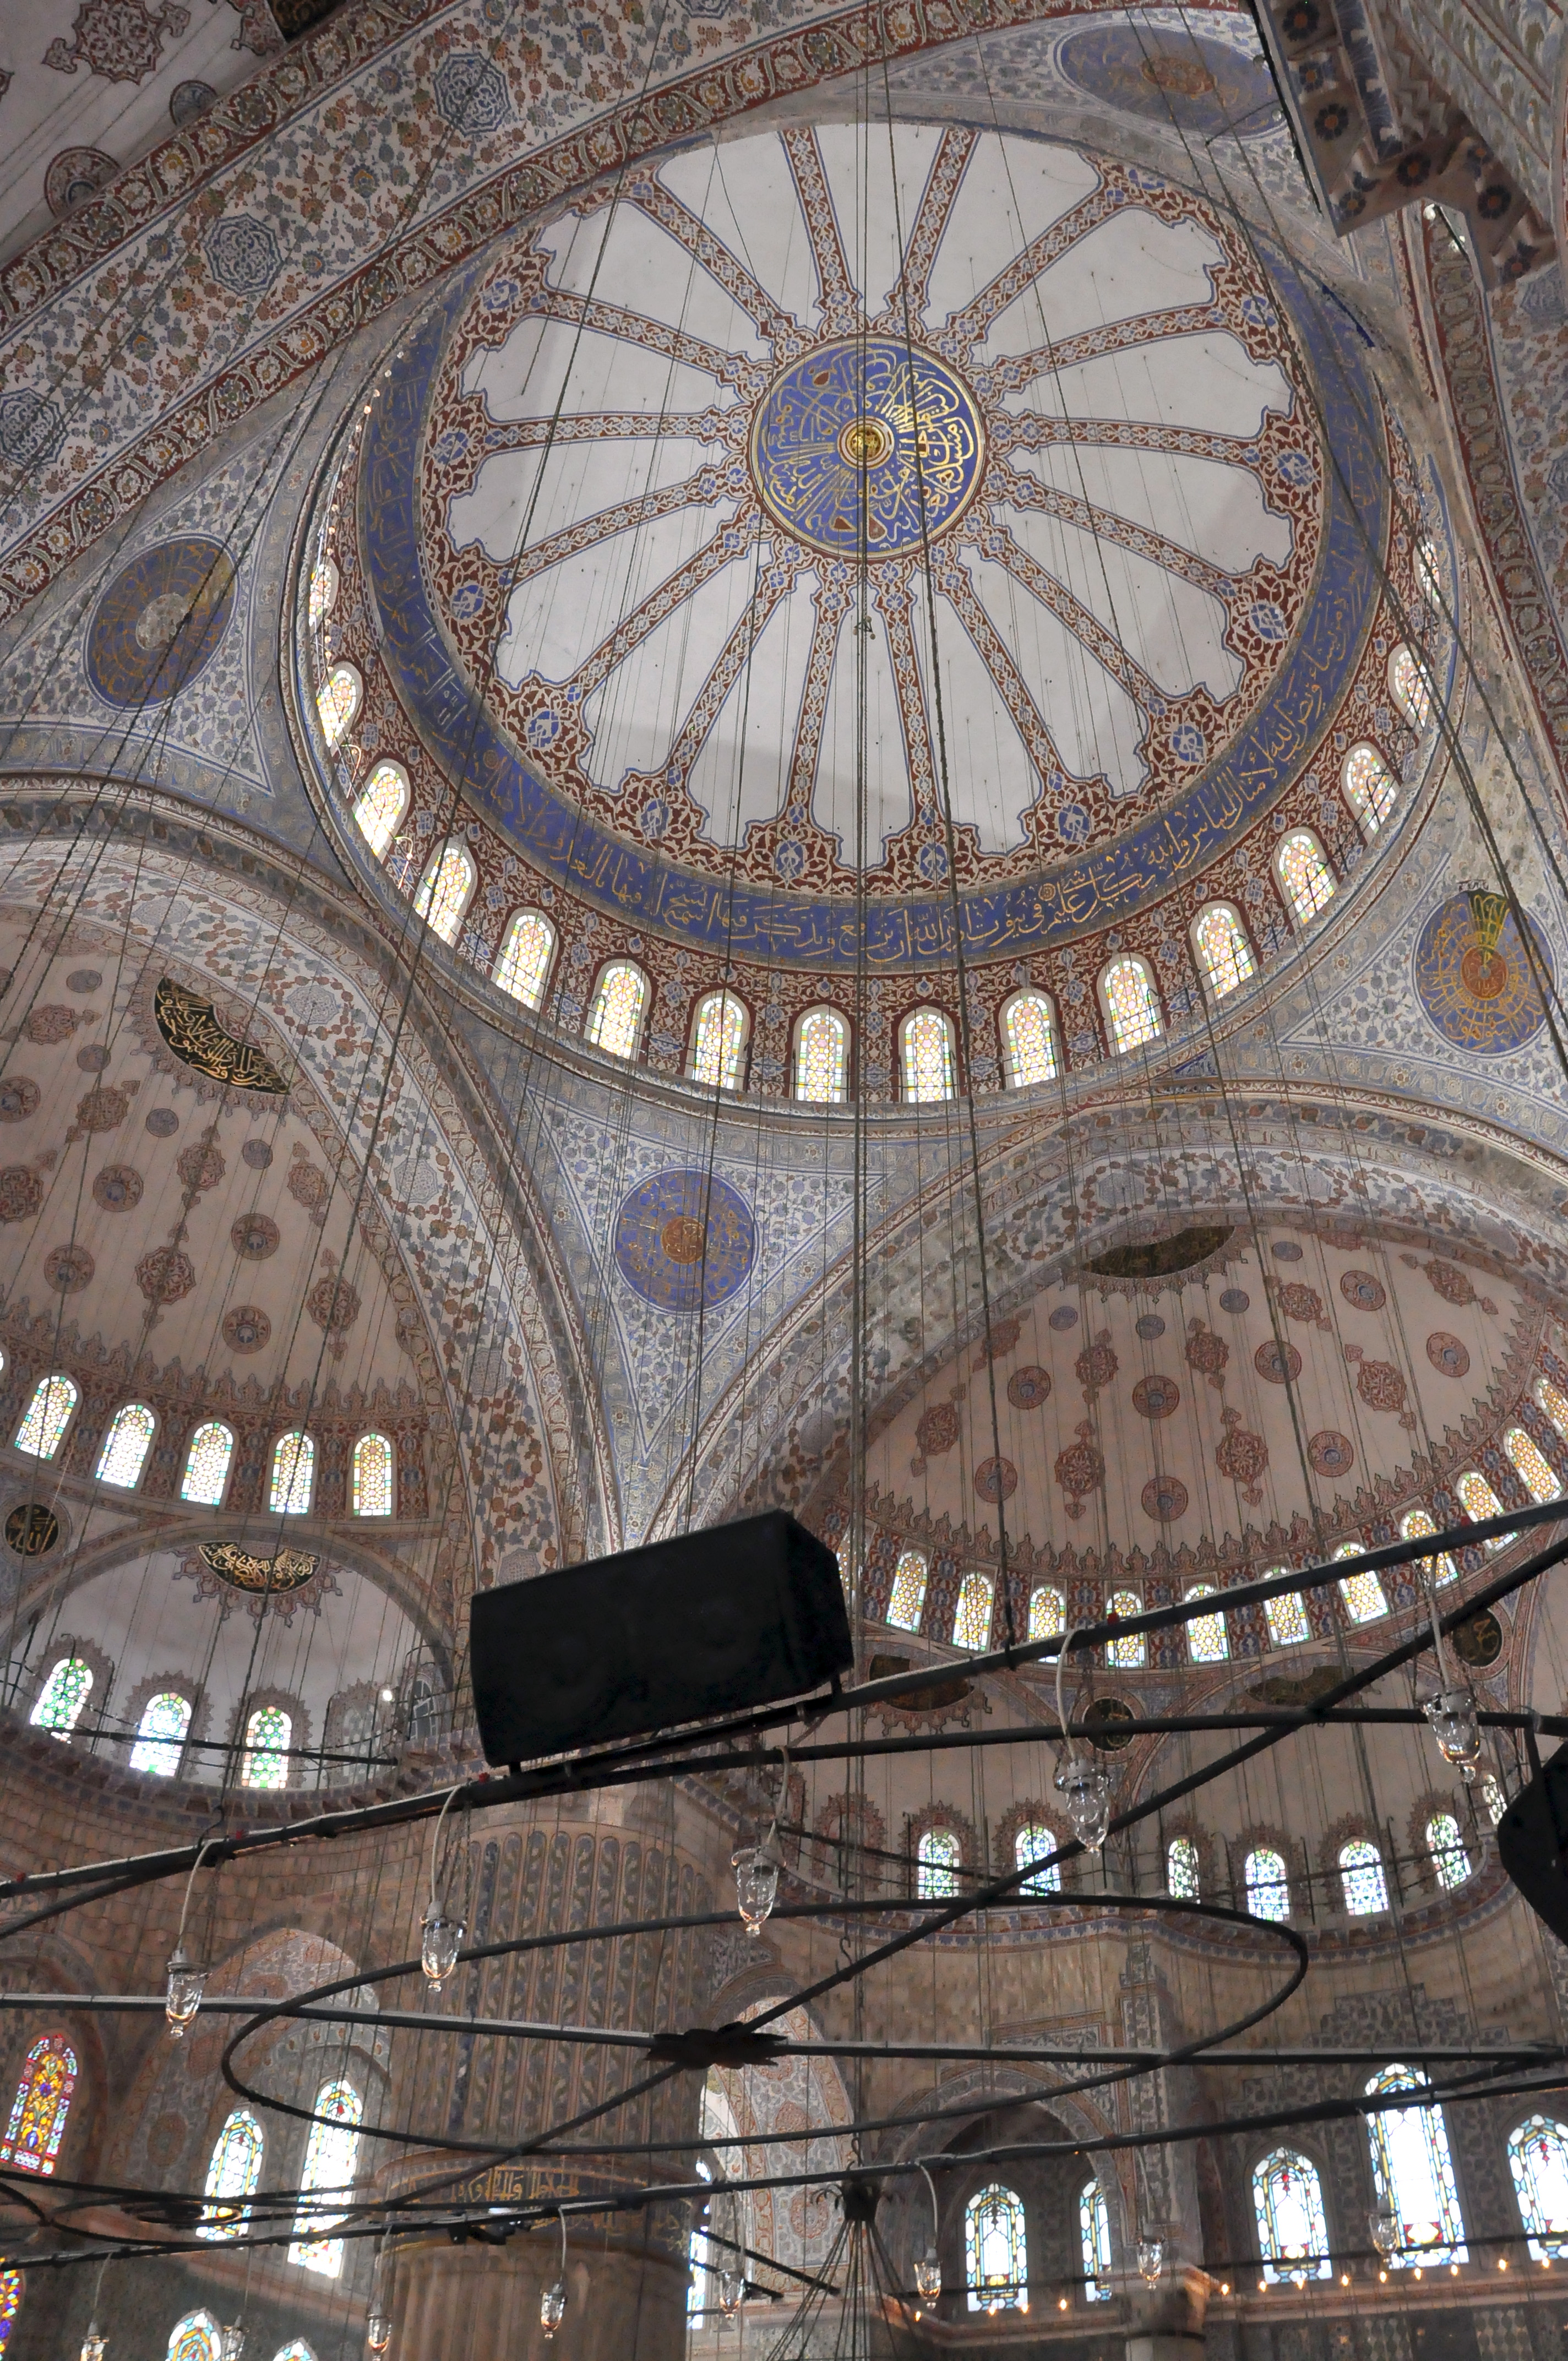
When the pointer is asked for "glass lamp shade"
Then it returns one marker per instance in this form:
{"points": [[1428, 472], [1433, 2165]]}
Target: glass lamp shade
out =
{"points": [[553, 2307], [756, 1886], [1457, 1732], [377, 2330], [231, 2342], [1085, 1789], [441, 1939], [187, 1982], [731, 2287], [928, 2276], [94, 2344], [1385, 2230], [1151, 2259]]}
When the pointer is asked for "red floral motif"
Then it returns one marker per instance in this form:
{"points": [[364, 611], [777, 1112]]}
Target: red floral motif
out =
{"points": [[1299, 1302], [997, 1480], [1165, 1498], [1241, 1457], [308, 1184], [938, 1429], [165, 1275], [102, 1110], [1281, 1364], [1097, 1364], [200, 1165], [1360, 1289], [1207, 1353], [1004, 1335], [1029, 1387], [333, 1304], [53, 1024], [245, 1329], [1447, 1354], [1156, 1397], [1080, 1468], [1331, 1454], [1380, 1385], [118, 1188], [21, 1193], [1452, 1283], [18, 1099], [69, 1269], [254, 1236]]}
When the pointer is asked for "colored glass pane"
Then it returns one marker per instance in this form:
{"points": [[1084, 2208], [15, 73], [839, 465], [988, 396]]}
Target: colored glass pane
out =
{"points": [[1286, 1615], [1553, 1401], [996, 2261], [1362, 1593], [1036, 1844], [1408, 688], [1029, 1039], [1429, 582], [936, 1860], [1131, 1004], [338, 701], [1267, 1885], [62, 1697], [1413, 2173], [1305, 874], [373, 1477], [267, 1735], [293, 1472], [1446, 1846], [1223, 949], [927, 1043], [1414, 1526], [906, 1602], [615, 1020], [971, 1624], [1126, 1653], [1207, 1642], [1094, 2240], [40, 2106], [1370, 787], [1538, 2158], [295, 2350], [380, 807], [10, 2303], [822, 1057], [207, 1465], [160, 1734], [1479, 1502], [331, 2158], [1361, 1875], [1531, 1464], [1182, 1877], [525, 956], [46, 1417], [1046, 1613], [126, 1444], [445, 888], [195, 2338], [324, 591], [232, 2173], [719, 1040], [1292, 2229]]}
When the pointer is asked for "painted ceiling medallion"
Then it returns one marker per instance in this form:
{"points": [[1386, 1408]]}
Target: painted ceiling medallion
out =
{"points": [[683, 1239], [1473, 977], [160, 622], [288, 1569], [867, 445], [192, 1028]]}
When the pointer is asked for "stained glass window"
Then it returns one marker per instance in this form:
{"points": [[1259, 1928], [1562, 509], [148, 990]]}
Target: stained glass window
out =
{"points": [[160, 1734], [293, 1473], [1361, 1875], [996, 2257], [971, 1624], [234, 2169], [324, 591], [937, 1861], [126, 1444], [268, 1734], [1094, 2242], [1413, 2173], [822, 1057], [1223, 949], [1292, 2229], [1446, 1846], [46, 1417], [1408, 688], [1047, 1615], [380, 807], [1428, 580], [1127, 1653], [1286, 1615], [295, 2350], [338, 701], [207, 1465], [1029, 1039], [62, 1697], [906, 1602], [1181, 1877], [1036, 1844], [615, 1020], [1531, 1464], [1551, 1399], [719, 1026], [10, 2303], [1414, 1526], [1267, 1883], [373, 1477], [444, 889], [1305, 874], [1131, 1004], [523, 965], [1479, 1502], [1369, 786], [332, 2159], [1538, 2158], [40, 2106], [926, 1052], [1206, 1639], [195, 2338], [1362, 1593]]}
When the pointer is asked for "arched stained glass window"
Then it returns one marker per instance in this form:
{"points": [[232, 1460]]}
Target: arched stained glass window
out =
{"points": [[1450, 1862], [337, 702], [62, 1697], [1361, 1875], [10, 2304], [822, 1057], [1414, 1526], [1362, 1593], [1047, 1612], [1131, 1004], [1531, 1464], [906, 1602], [1370, 788], [379, 805], [445, 889], [46, 1416], [1035, 1843], [938, 1857], [1094, 2242], [267, 1736], [925, 1057], [40, 2106], [1429, 582], [126, 1444], [1125, 1653], [522, 964], [996, 2256], [1554, 1402], [1207, 1642], [1408, 688], [372, 1478], [195, 2338], [324, 591], [1292, 2229], [295, 2350], [1304, 873], [293, 1475], [1286, 1614], [615, 1019], [332, 2159], [1028, 1039], [160, 1734], [232, 2175], [972, 1623], [1479, 1501], [207, 1465], [1413, 2173], [1181, 1873], [1224, 951], [1267, 1883], [721, 1023], [1538, 2158]]}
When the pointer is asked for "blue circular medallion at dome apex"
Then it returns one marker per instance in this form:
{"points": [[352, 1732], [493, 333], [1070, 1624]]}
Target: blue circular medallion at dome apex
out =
{"points": [[684, 1238], [867, 427]]}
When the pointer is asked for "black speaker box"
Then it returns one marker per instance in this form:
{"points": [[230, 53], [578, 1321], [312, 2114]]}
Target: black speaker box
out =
{"points": [[683, 1630], [1533, 1838]]}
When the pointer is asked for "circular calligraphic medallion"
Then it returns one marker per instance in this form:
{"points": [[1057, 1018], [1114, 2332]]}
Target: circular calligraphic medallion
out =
{"points": [[871, 438], [1174, 79], [1104, 1725], [684, 1238], [1479, 1001], [32, 1529], [160, 622], [1479, 1642]]}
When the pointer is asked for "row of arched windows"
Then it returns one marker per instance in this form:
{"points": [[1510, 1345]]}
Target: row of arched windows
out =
{"points": [[332, 2161], [165, 1725], [198, 2337], [996, 2247]]}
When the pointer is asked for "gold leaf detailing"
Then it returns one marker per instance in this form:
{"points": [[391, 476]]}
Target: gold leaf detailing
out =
{"points": [[291, 1569], [193, 1031]]}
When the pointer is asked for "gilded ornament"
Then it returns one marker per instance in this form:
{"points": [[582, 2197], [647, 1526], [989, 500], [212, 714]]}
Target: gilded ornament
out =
{"points": [[193, 1031], [288, 1569]]}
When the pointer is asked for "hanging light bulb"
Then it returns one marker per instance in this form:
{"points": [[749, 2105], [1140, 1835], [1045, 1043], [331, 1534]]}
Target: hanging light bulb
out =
{"points": [[1452, 1714], [1151, 2259], [731, 2287], [1086, 1791], [377, 2330], [231, 2342], [441, 1938], [928, 2276], [756, 1886], [1384, 2229], [94, 2343], [553, 2307], [187, 1982]]}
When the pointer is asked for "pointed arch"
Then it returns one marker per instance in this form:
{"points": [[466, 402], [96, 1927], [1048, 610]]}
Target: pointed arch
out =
{"points": [[41, 2107]]}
